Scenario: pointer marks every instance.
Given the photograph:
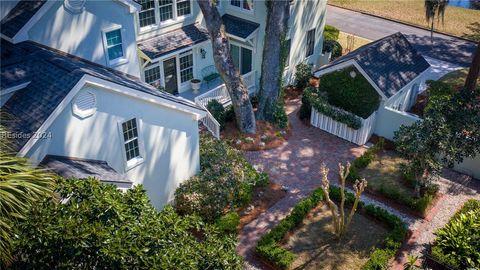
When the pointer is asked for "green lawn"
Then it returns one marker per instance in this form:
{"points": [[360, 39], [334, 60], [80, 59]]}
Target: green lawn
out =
{"points": [[457, 78], [458, 21], [358, 41]]}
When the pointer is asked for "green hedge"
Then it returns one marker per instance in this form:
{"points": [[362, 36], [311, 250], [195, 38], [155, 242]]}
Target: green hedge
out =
{"points": [[268, 247], [458, 243], [312, 98], [417, 204], [330, 32], [355, 95]]}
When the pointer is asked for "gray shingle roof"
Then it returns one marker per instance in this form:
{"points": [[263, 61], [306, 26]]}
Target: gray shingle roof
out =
{"points": [[52, 75], [239, 27], [172, 41], [391, 62], [83, 168], [19, 16]]}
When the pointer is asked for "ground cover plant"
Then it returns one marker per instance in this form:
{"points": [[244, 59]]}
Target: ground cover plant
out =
{"points": [[96, 226], [225, 182], [270, 249], [457, 244], [385, 172], [414, 12]]}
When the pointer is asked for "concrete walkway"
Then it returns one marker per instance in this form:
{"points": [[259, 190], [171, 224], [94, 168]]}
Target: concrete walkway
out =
{"points": [[445, 48]]}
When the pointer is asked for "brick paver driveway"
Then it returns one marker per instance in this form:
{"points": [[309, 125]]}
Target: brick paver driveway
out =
{"points": [[296, 165]]}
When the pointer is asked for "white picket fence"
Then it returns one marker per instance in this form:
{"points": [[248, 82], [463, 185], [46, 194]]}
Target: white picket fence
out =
{"points": [[359, 136]]}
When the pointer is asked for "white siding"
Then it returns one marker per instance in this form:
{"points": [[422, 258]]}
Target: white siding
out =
{"points": [[170, 138], [81, 34]]}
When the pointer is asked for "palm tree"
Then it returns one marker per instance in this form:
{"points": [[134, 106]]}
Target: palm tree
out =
{"points": [[435, 9], [21, 185]]}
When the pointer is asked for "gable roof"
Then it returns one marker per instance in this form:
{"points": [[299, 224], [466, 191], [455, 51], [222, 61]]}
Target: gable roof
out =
{"points": [[390, 62], [172, 41], [53, 75], [19, 16], [239, 27], [83, 168]]}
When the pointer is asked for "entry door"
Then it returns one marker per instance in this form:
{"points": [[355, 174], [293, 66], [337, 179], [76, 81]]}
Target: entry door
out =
{"points": [[170, 75]]}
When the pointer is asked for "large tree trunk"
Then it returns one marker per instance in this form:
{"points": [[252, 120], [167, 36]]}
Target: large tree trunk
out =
{"points": [[272, 66], [224, 63], [474, 71]]}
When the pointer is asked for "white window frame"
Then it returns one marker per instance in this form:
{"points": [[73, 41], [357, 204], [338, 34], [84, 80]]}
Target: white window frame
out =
{"points": [[232, 42], [179, 70], [118, 61], [314, 41], [132, 163], [160, 24], [240, 8], [144, 28]]}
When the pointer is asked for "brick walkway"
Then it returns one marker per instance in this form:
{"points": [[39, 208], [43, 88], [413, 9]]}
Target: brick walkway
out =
{"points": [[296, 164]]}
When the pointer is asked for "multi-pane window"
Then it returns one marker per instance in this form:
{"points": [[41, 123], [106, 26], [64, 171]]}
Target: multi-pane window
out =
{"points": [[165, 9], [186, 67], [244, 4], [130, 139], [310, 42], [114, 44], [147, 15], [152, 75], [242, 58], [183, 8]]}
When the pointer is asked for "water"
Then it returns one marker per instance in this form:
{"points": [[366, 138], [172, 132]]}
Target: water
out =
{"points": [[469, 4]]}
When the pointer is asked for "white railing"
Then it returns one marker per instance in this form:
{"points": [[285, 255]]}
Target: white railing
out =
{"points": [[359, 136], [221, 94]]}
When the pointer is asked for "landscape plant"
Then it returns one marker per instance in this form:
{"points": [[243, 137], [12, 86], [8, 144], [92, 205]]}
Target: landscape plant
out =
{"points": [[21, 187], [340, 221], [226, 181], [303, 73], [90, 225], [218, 112], [457, 244]]}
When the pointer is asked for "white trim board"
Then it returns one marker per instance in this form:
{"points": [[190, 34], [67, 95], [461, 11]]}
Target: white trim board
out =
{"points": [[91, 80], [15, 88]]}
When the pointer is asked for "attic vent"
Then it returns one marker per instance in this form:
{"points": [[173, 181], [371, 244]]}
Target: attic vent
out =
{"points": [[84, 104], [74, 6]]}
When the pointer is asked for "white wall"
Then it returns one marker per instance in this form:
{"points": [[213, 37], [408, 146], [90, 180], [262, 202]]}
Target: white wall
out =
{"points": [[469, 166], [81, 34], [170, 138], [389, 120]]}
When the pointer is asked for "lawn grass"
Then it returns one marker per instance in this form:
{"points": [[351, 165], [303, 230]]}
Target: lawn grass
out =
{"points": [[358, 41], [457, 78], [384, 173], [460, 22], [316, 246]]}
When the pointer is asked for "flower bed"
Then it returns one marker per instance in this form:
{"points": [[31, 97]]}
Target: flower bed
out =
{"points": [[402, 181], [269, 249], [458, 243]]}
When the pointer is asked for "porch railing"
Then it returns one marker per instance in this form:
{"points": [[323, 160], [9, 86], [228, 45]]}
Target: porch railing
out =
{"points": [[221, 94]]}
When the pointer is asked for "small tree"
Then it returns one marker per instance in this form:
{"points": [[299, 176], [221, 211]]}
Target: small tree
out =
{"points": [[340, 222]]}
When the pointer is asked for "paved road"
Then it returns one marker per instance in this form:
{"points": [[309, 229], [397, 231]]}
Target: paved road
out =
{"points": [[444, 47]]}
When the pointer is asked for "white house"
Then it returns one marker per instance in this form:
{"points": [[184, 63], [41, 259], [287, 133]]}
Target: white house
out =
{"points": [[82, 119], [396, 71]]}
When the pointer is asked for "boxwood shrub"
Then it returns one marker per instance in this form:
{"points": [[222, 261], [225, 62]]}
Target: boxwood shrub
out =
{"points": [[269, 249]]}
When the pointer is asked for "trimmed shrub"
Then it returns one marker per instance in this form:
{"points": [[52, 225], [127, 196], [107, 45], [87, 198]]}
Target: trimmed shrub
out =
{"points": [[229, 222], [334, 47], [354, 95], [218, 112], [303, 73], [306, 108], [330, 32], [97, 226], [226, 181]]}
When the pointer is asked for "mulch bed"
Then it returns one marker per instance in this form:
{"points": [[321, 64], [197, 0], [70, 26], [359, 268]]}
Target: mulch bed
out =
{"points": [[263, 198], [275, 136]]}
